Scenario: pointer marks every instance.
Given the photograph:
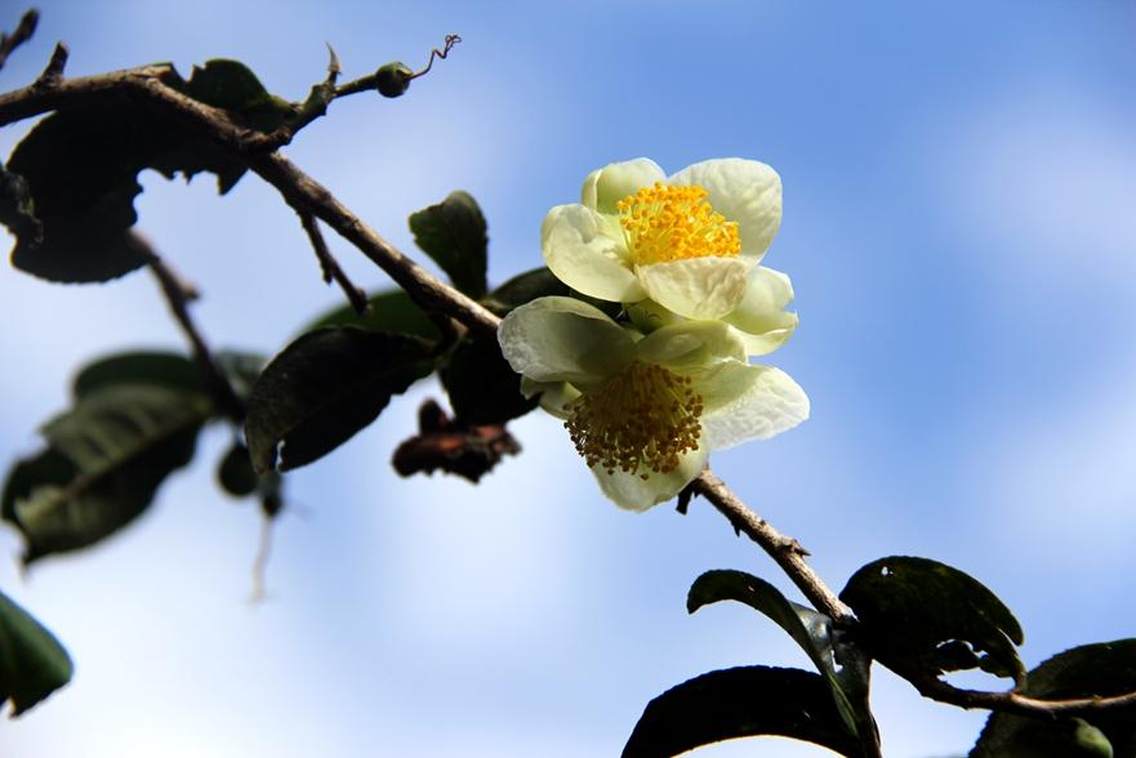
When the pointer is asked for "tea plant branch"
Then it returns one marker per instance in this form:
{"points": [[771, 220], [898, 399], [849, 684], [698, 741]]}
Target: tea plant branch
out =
{"points": [[1017, 703], [179, 293], [24, 31], [330, 267], [370, 82], [310, 198]]}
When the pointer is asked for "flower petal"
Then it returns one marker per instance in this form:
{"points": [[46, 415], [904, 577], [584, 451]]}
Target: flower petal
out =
{"points": [[745, 191], [554, 339], [691, 346], [588, 252], [744, 402], [761, 313], [698, 288], [606, 186], [634, 493], [554, 396]]}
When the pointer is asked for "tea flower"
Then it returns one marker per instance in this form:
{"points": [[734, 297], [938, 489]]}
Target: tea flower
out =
{"points": [[687, 242], [645, 411]]}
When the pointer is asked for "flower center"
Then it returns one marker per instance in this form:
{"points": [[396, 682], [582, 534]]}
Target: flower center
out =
{"points": [[645, 417], [673, 223]]}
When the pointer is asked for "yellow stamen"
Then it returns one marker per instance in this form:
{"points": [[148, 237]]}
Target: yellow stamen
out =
{"points": [[672, 223], [645, 417]]}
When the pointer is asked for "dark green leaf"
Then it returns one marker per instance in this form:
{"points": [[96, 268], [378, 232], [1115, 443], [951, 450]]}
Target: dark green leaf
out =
{"points": [[231, 85], [915, 612], [323, 388], [540, 282], [1102, 669], [105, 460], [453, 234], [242, 369], [482, 386], [17, 210], [169, 370], [32, 662], [391, 311], [809, 629], [81, 167], [523, 288], [740, 702], [235, 473]]}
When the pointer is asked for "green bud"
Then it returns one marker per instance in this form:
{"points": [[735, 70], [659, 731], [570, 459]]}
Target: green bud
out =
{"points": [[393, 79], [235, 473]]}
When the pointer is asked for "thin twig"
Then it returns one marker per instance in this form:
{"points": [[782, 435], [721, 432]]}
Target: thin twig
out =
{"points": [[179, 294], [330, 266], [1014, 702], [370, 82], [447, 45], [24, 31]]}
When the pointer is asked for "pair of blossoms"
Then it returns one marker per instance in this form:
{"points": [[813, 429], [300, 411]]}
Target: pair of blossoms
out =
{"points": [[646, 398]]}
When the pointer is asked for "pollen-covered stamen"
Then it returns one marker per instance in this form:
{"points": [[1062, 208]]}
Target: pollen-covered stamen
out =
{"points": [[644, 418], [671, 223]]}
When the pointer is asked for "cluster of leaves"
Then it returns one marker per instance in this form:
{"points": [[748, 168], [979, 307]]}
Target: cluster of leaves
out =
{"points": [[67, 195], [339, 375], [921, 619]]}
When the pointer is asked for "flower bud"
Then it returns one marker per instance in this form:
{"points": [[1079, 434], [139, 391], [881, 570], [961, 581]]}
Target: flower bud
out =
{"points": [[393, 79]]}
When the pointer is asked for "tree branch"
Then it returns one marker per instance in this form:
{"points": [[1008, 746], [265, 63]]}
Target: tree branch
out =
{"points": [[330, 266], [24, 31], [1022, 705], [311, 199], [179, 294]]}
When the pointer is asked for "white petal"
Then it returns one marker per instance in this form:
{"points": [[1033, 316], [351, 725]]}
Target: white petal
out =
{"points": [[554, 396], [699, 288], [746, 402], [634, 493], [606, 186], [745, 191], [761, 313], [588, 252], [690, 346], [555, 339]]}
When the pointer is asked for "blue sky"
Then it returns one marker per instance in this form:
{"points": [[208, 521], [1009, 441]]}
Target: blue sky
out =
{"points": [[959, 185]]}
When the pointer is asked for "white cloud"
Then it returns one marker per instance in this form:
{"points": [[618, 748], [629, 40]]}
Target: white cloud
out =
{"points": [[1047, 171]]}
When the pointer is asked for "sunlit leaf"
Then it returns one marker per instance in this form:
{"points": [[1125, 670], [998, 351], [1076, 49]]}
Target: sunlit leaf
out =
{"points": [[741, 702]]}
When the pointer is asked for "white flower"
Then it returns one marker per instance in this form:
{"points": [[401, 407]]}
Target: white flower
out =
{"points": [[645, 411], [688, 242]]}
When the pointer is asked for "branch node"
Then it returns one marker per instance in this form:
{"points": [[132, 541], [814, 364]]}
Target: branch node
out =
{"points": [[53, 72], [329, 266]]}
